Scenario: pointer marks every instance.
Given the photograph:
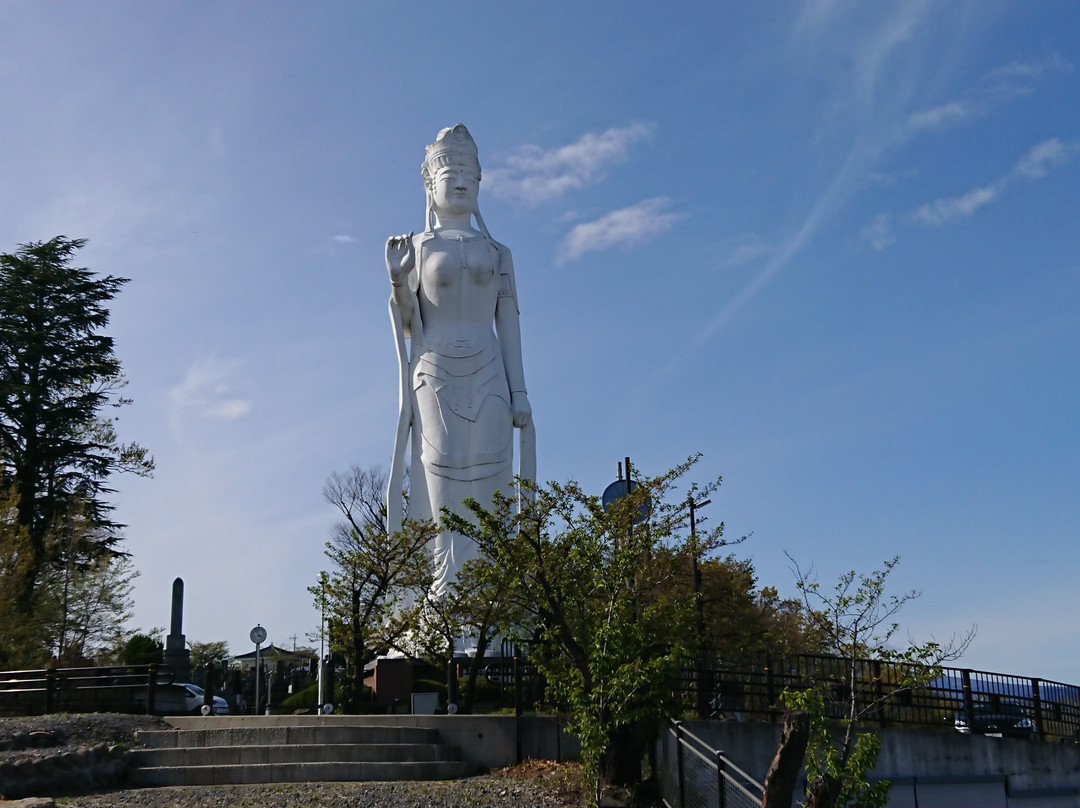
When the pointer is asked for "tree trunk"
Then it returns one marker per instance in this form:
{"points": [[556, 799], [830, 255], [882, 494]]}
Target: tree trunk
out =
{"points": [[786, 765], [474, 673], [621, 763], [822, 791], [355, 665]]}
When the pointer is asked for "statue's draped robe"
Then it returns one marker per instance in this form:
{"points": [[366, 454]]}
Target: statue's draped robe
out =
{"points": [[455, 417]]}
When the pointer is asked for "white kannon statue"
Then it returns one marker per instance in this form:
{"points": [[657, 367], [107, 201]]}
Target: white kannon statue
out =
{"points": [[462, 383]]}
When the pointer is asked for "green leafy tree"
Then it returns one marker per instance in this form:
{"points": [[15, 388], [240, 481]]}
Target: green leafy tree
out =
{"points": [[858, 623], [208, 652], [789, 627], [57, 373], [612, 615], [370, 573], [472, 608], [142, 649], [741, 622], [89, 600], [22, 645]]}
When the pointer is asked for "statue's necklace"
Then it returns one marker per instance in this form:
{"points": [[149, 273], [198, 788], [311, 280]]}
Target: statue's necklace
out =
{"points": [[461, 243]]}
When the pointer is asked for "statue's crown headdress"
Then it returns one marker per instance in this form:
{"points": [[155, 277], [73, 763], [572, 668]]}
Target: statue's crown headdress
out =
{"points": [[452, 144]]}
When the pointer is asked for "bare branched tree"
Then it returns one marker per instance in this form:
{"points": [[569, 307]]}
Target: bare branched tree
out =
{"points": [[370, 574]]}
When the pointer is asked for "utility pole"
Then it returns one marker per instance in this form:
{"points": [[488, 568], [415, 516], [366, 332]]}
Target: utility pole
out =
{"points": [[703, 691]]}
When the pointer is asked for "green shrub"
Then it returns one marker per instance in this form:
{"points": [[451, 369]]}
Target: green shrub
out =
{"points": [[487, 692], [309, 697], [430, 686]]}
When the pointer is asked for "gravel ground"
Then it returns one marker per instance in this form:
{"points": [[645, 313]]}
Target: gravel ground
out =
{"points": [[535, 783], [71, 732], [489, 791]]}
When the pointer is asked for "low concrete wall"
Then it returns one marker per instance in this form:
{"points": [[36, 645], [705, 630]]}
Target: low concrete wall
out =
{"points": [[487, 740], [929, 762]]}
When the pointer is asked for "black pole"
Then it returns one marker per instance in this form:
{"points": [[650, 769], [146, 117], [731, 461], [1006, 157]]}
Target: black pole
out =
{"points": [[703, 691], [518, 703]]}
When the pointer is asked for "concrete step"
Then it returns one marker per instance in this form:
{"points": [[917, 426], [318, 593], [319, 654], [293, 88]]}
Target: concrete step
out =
{"points": [[291, 749], [292, 753], [298, 773], [224, 735]]}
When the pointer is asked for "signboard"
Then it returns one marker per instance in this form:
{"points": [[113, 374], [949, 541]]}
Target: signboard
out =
{"points": [[617, 490]]}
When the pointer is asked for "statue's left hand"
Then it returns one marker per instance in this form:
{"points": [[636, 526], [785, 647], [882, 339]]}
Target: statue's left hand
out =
{"points": [[520, 409]]}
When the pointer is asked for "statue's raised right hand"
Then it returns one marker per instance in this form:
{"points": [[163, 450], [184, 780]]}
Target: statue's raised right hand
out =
{"points": [[400, 258]]}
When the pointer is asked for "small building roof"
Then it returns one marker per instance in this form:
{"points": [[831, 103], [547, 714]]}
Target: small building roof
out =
{"points": [[272, 653]]}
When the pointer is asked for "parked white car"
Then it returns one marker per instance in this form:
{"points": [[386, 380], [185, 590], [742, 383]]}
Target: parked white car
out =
{"points": [[182, 698]]}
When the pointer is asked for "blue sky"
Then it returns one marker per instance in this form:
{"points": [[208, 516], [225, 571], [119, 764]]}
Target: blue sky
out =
{"points": [[832, 246]]}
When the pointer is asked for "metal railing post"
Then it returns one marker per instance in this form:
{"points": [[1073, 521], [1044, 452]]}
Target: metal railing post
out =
{"points": [[770, 694], [50, 689], [679, 763], [875, 675], [151, 688], [1036, 705], [722, 794], [969, 702]]}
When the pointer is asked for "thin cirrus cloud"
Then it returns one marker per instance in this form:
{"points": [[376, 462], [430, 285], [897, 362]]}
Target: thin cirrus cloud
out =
{"points": [[1047, 155], [624, 227], [743, 249], [1036, 164], [1015, 78], [943, 116], [532, 174], [955, 208], [207, 392], [879, 233]]}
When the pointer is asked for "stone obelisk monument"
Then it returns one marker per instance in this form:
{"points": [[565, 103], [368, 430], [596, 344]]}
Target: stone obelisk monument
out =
{"points": [[177, 656]]}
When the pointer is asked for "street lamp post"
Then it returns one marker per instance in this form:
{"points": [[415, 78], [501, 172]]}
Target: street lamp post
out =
{"points": [[702, 691]]}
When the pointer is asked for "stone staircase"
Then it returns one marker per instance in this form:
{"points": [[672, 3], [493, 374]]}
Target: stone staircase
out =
{"points": [[290, 749]]}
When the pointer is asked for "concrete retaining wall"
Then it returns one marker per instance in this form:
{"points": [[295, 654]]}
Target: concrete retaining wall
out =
{"points": [[932, 769], [487, 740]]}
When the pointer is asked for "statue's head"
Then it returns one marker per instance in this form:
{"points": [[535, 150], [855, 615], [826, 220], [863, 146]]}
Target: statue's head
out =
{"points": [[453, 146], [451, 174]]}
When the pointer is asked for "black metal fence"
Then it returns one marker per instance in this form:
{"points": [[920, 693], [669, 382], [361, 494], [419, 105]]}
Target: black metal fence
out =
{"points": [[121, 689], [752, 691], [691, 774]]}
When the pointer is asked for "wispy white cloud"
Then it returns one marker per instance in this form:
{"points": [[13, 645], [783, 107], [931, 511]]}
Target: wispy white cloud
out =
{"points": [[942, 116], [1015, 78], [1043, 157], [207, 391], [869, 44], [952, 209], [743, 249], [879, 233], [1018, 76], [533, 174], [1034, 165], [637, 223], [342, 239]]}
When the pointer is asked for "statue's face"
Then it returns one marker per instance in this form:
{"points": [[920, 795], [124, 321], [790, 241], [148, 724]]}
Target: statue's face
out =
{"points": [[456, 188]]}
